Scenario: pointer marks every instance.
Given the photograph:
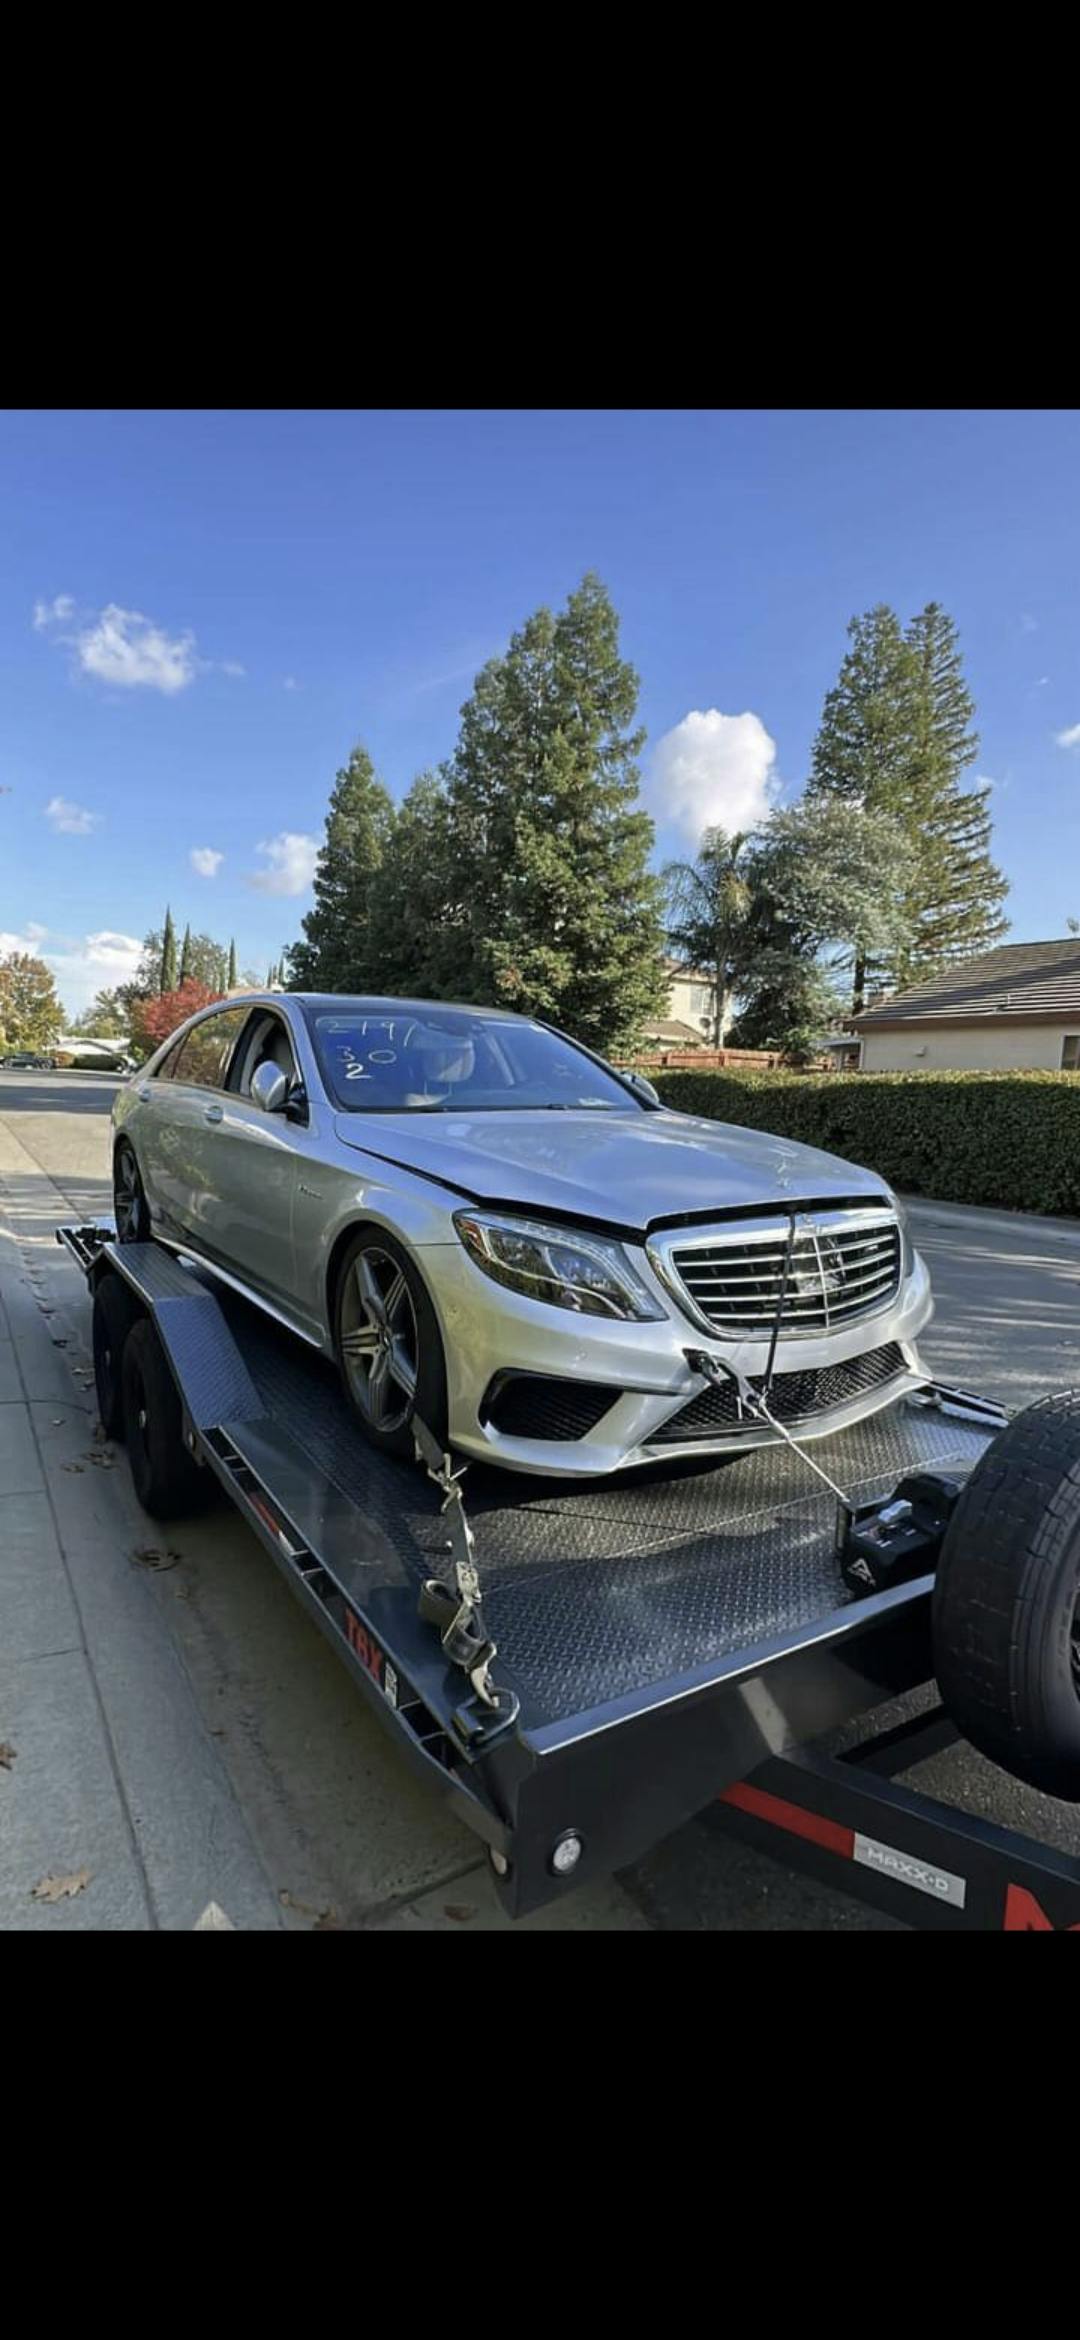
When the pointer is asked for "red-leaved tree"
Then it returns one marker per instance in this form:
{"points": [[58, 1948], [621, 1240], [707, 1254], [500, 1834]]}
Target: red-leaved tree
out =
{"points": [[153, 1019]]}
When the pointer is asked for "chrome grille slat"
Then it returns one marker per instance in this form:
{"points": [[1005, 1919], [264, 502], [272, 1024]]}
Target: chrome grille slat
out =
{"points": [[835, 1272]]}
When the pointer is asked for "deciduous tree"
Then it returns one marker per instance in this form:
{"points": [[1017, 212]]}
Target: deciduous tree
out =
{"points": [[30, 1013], [153, 1019]]}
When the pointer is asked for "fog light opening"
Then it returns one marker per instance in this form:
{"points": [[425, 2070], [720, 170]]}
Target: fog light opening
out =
{"points": [[566, 1853]]}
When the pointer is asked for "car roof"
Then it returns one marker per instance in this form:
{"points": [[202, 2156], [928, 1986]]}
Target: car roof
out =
{"points": [[346, 1003]]}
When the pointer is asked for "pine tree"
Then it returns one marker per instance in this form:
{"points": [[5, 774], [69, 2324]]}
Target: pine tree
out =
{"points": [[230, 981], [167, 969], [896, 736], [865, 750], [550, 906], [186, 970], [333, 954], [961, 888], [413, 935]]}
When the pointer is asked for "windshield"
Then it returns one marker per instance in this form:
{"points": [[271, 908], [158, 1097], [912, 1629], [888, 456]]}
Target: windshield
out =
{"points": [[450, 1060]]}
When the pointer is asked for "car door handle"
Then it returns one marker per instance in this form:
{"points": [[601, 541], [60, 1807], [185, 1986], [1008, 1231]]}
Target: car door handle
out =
{"points": [[213, 1113], [145, 1094]]}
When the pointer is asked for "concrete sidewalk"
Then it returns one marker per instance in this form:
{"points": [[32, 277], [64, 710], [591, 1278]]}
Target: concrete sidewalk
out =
{"points": [[181, 1739], [111, 1787]]}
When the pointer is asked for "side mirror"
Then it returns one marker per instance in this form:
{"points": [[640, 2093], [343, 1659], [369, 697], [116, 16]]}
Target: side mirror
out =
{"points": [[269, 1088], [642, 1088]]}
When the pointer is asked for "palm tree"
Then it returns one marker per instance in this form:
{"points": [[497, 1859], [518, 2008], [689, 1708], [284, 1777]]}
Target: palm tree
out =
{"points": [[709, 903]]}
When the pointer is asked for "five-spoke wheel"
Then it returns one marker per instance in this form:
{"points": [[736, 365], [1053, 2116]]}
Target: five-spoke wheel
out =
{"points": [[388, 1343], [129, 1199]]}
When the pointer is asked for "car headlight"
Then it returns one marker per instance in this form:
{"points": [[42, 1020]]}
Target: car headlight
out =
{"points": [[585, 1273]]}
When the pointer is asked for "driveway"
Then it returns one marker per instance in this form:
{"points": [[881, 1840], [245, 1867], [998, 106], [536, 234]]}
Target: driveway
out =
{"points": [[226, 1758]]}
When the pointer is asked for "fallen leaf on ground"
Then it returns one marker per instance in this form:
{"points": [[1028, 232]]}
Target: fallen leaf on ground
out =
{"points": [[151, 1556], [7, 1755], [460, 1911], [58, 1421], [71, 1466], [328, 1924], [323, 1917], [60, 1888]]}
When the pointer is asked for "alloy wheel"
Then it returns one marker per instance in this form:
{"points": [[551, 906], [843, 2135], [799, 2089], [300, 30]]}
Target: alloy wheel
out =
{"points": [[128, 1198], [380, 1341]]}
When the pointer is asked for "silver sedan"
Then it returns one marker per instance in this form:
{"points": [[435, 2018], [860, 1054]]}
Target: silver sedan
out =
{"points": [[487, 1225]]}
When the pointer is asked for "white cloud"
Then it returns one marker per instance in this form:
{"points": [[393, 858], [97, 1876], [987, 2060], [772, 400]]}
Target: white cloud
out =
{"points": [[128, 650], [70, 820], [205, 861], [82, 966], [1069, 738], [93, 963], [124, 648], [48, 613], [713, 770], [25, 945], [290, 864]]}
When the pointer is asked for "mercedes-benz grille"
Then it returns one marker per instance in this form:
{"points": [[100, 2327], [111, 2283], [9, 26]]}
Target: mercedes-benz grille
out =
{"points": [[843, 1264]]}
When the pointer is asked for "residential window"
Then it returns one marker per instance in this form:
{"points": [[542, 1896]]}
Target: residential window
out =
{"points": [[697, 998], [1070, 1052]]}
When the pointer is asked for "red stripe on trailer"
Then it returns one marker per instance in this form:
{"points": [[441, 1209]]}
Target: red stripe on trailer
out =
{"points": [[779, 1814]]}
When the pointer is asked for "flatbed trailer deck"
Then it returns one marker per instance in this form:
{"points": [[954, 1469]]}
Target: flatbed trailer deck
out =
{"points": [[656, 1639]]}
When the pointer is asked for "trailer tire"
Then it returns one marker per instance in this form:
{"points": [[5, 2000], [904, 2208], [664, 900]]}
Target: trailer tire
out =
{"points": [[116, 1310], [1006, 1605], [168, 1482]]}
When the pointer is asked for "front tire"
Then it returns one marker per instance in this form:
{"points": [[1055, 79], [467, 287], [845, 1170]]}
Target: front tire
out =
{"points": [[130, 1209], [388, 1346]]}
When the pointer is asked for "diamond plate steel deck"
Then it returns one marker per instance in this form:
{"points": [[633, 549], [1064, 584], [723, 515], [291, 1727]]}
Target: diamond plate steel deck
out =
{"points": [[595, 1591]]}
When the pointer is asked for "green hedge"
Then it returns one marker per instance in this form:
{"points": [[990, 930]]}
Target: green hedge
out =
{"points": [[1008, 1140]]}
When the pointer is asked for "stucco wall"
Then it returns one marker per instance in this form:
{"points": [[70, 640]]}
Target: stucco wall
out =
{"points": [[967, 1048], [680, 995]]}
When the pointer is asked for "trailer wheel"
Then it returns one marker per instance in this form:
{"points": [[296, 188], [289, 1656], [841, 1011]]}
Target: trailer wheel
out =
{"points": [[1006, 1608], [115, 1311], [168, 1482]]}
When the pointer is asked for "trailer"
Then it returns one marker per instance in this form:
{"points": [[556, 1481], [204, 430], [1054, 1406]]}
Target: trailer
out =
{"points": [[580, 1669]]}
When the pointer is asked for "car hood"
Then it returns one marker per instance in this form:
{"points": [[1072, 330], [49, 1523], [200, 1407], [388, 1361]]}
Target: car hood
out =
{"points": [[630, 1169]]}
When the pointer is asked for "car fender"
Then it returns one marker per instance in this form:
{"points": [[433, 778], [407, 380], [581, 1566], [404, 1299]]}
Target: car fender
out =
{"points": [[407, 1207]]}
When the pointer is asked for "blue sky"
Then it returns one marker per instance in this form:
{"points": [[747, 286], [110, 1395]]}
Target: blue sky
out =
{"points": [[201, 612]]}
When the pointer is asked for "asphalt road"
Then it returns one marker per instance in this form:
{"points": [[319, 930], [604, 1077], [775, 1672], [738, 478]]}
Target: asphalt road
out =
{"points": [[330, 1804]]}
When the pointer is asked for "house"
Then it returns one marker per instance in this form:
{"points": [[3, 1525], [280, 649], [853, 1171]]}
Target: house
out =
{"points": [[670, 1032], [1015, 1010], [691, 1001], [843, 1049]]}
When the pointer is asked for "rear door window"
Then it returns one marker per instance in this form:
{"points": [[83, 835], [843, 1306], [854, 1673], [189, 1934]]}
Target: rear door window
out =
{"points": [[203, 1057]]}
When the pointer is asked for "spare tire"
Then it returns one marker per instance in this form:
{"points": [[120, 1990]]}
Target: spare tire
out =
{"points": [[1006, 1606]]}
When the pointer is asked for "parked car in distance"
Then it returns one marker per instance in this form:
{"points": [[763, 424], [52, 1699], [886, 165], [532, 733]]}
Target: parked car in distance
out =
{"points": [[74, 1054], [25, 1060], [485, 1223]]}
